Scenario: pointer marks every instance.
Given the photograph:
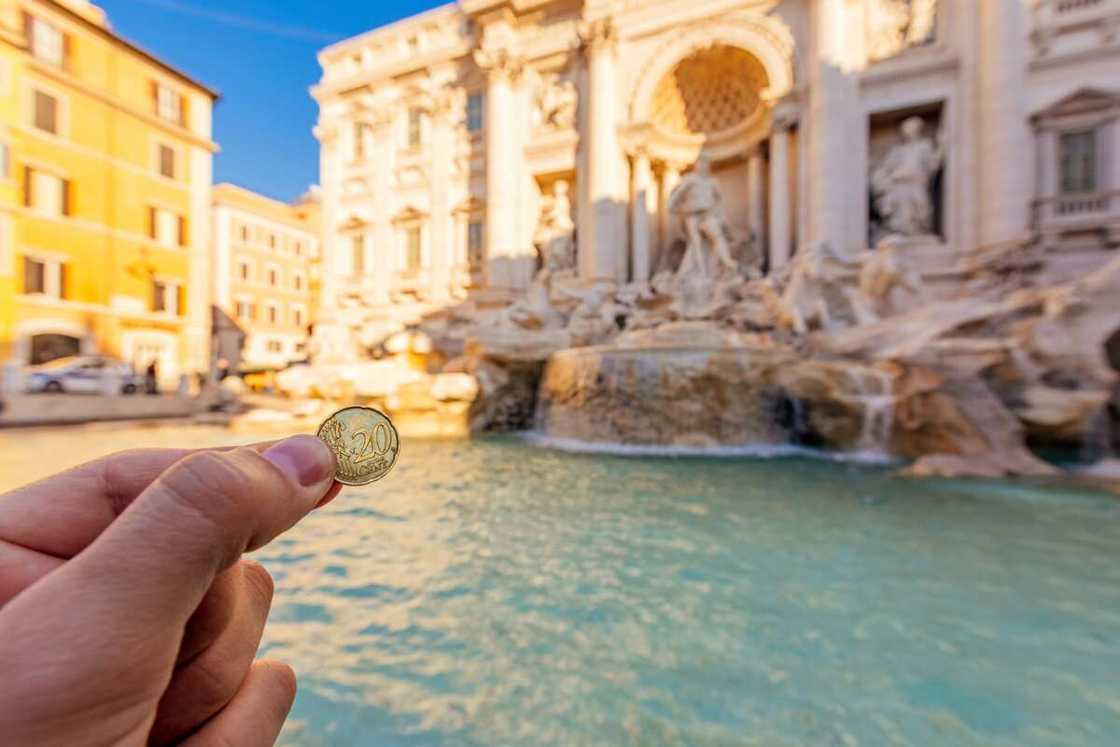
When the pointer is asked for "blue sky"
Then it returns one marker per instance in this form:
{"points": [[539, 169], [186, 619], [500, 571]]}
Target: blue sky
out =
{"points": [[260, 54]]}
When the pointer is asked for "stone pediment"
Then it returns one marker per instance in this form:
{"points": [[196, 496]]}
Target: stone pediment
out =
{"points": [[1082, 101], [470, 205], [409, 214]]}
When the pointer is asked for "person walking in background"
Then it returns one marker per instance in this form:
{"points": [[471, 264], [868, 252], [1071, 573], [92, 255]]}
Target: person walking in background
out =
{"points": [[151, 378]]}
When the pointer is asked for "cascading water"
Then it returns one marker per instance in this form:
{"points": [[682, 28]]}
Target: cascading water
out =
{"points": [[875, 394]]}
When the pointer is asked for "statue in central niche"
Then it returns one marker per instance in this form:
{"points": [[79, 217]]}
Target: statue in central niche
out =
{"points": [[697, 203], [902, 182]]}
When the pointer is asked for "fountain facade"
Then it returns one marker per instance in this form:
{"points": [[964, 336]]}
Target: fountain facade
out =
{"points": [[675, 227]]}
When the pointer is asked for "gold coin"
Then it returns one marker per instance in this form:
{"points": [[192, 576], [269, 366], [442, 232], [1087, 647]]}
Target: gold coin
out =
{"points": [[364, 443]]}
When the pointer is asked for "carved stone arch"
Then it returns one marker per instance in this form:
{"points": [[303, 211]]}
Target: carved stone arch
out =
{"points": [[765, 38]]}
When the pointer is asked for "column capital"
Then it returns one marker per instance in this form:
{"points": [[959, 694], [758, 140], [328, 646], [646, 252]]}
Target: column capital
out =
{"points": [[598, 35], [499, 62]]}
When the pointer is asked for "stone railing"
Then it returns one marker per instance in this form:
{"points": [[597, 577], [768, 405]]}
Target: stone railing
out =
{"points": [[1063, 10], [1081, 208]]}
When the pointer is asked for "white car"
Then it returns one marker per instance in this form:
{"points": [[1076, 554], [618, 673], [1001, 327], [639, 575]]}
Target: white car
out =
{"points": [[82, 374]]}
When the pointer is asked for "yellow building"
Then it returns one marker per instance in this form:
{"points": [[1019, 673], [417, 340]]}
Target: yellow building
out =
{"points": [[107, 157], [265, 274]]}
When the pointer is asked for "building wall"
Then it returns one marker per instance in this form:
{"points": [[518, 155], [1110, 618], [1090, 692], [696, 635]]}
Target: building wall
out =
{"points": [[837, 80], [109, 132], [265, 261]]}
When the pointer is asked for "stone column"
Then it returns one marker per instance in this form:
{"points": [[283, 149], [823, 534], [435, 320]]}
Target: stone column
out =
{"points": [[832, 111], [670, 178], [756, 197], [501, 167], [441, 244], [331, 180], [780, 218], [1003, 143], [603, 235], [644, 207], [381, 254]]}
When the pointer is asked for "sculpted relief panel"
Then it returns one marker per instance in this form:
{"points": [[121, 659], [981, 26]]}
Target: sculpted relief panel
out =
{"points": [[897, 25]]}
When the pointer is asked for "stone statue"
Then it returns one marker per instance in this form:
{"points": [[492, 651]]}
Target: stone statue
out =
{"points": [[895, 25], [556, 104], [901, 183], [698, 204], [556, 232]]}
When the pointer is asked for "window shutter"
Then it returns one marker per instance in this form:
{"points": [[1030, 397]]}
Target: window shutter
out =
{"points": [[151, 222], [184, 110], [63, 281], [154, 88], [182, 231], [181, 300], [67, 50], [28, 32], [28, 186], [67, 197]]}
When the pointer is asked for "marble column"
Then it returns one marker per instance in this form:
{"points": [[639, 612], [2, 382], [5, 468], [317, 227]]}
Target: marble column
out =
{"points": [[780, 217], [644, 210], [441, 244], [603, 235], [501, 168], [756, 197], [330, 239], [380, 242], [1004, 144], [832, 115], [670, 178]]}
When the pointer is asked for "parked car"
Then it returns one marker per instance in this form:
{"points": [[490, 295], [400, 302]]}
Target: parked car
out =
{"points": [[82, 374]]}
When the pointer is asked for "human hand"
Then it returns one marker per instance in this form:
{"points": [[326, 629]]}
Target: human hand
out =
{"points": [[127, 615]]}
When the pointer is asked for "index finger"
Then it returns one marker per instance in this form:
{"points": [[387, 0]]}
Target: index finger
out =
{"points": [[60, 515]]}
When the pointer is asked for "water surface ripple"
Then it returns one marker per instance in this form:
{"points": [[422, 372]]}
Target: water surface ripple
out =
{"points": [[493, 593]]}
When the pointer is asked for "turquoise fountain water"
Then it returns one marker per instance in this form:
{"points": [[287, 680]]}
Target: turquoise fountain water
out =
{"points": [[492, 593]]}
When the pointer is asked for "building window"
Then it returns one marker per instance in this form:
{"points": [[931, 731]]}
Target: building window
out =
{"points": [[273, 313], [44, 277], [1079, 162], [244, 270], [167, 227], [169, 104], [297, 316], [46, 112], [474, 245], [413, 248], [358, 255], [415, 127], [474, 112], [361, 130], [245, 311], [245, 234], [165, 297], [297, 281], [274, 346], [167, 161], [46, 193], [297, 246], [273, 276], [272, 241], [47, 43]]}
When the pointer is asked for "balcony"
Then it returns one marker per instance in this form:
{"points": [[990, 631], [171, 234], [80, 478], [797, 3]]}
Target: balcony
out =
{"points": [[1071, 26], [1078, 213]]}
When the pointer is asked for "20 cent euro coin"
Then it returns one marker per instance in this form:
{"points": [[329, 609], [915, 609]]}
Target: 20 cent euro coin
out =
{"points": [[364, 442]]}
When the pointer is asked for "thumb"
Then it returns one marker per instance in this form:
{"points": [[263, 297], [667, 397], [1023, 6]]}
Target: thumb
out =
{"points": [[152, 566]]}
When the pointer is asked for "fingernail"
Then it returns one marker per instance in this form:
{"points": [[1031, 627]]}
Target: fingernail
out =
{"points": [[305, 459]]}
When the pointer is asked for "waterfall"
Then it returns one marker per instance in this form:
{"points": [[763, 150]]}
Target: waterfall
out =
{"points": [[875, 394], [1097, 443]]}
